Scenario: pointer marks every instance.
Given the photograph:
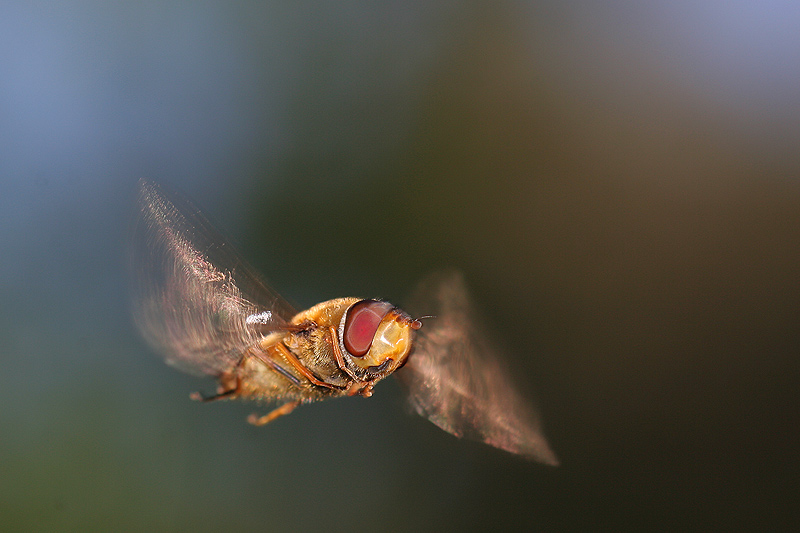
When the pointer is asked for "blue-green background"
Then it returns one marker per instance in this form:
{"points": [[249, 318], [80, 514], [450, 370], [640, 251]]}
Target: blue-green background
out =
{"points": [[620, 182]]}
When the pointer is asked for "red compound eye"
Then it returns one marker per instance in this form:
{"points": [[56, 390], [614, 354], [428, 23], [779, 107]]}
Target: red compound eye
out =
{"points": [[363, 319]]}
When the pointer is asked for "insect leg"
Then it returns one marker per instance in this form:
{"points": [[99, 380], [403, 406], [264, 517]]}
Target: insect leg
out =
{"points": [[274, 366], [197, 396], [364, 388], [284, 409], [289, 356], [337, 354], [229, 382]]}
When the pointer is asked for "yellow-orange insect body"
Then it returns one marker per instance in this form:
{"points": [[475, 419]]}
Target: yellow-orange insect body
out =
{"points": [[310, 360]]}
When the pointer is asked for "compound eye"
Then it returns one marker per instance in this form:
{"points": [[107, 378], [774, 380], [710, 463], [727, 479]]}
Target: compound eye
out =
{"points": [[363, 319]]}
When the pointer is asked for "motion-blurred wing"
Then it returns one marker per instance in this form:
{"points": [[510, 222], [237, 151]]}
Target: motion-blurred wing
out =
{"points": [[195, 300], [455, 377]]}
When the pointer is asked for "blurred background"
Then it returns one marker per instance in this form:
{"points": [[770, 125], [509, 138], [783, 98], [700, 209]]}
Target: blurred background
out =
{"points": [[620, 183]]}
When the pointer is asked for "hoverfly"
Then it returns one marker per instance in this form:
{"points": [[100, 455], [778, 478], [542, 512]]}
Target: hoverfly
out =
{"points": [[204, 309]]}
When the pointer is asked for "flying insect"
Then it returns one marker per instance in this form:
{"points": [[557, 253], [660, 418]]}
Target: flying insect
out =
{"points": [[207, 312]]}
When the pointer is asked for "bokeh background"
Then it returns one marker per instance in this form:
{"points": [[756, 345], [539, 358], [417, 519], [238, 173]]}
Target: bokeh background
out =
{"points": [[619, 181]]}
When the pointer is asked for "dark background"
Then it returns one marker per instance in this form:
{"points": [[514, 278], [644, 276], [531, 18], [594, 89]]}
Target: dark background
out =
{"points": [[620, 184]]}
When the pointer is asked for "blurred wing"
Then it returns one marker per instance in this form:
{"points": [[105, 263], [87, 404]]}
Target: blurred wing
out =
{"points": [[195, 300], [455, 377]]}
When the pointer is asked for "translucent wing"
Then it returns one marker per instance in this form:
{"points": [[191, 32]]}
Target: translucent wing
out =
{"points": [[195, 300], [455, 377]]}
